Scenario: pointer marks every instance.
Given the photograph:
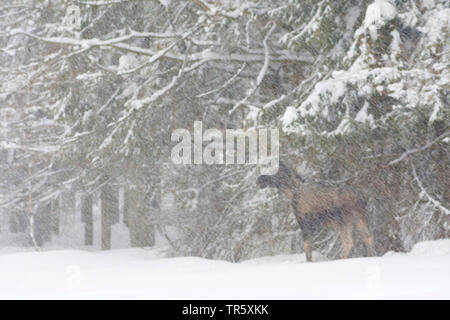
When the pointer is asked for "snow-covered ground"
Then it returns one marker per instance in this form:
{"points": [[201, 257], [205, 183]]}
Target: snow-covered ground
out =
{"points": [[147, 274]]}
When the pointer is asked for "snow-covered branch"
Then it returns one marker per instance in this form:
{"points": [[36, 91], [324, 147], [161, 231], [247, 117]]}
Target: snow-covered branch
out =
{"points": [[261, 74], [424, 193], [416, 150]]}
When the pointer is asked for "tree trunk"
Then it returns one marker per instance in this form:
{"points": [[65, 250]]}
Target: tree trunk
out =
{"points": [[31, 217], [110, 213], [126, 209], [68, 203], [55, 216], [88, 219], [138, 219]]}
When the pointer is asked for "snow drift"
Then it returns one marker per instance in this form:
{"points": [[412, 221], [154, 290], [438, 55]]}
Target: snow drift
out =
{"points": [[146, 274]]}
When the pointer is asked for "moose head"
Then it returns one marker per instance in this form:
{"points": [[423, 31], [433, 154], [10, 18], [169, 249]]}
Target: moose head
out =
{"points": [[284, 178]]}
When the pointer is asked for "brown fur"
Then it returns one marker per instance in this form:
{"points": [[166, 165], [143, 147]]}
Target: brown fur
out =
{"points": [[315, 204]]}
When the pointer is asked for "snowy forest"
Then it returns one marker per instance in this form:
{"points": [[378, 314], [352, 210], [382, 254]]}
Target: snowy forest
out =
{"points": [[91, 91]]}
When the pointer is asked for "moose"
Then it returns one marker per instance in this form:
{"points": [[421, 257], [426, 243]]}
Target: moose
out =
{"points": [[315, 205]]}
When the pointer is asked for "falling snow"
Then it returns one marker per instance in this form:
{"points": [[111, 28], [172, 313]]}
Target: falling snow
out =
{"points": [[358, 90]]}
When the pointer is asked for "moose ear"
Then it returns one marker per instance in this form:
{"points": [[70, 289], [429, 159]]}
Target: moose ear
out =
{"points": [[261, 182], [283, 167]]}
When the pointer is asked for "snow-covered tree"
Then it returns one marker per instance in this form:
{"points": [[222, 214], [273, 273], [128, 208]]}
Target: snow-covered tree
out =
{"points": [[92, 90]]}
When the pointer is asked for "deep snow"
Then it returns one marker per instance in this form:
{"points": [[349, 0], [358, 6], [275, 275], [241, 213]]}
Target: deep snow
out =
{"points": [[147, 274]]}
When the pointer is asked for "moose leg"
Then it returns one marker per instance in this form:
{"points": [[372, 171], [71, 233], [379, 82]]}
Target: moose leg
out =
{"points": [[347, 240], [307, 246], [365, 235], [307, 232], [307, 241]]}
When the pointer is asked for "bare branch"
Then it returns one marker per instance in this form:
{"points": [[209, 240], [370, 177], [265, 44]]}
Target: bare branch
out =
{"points": [[416, 150], [424, 193]]}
